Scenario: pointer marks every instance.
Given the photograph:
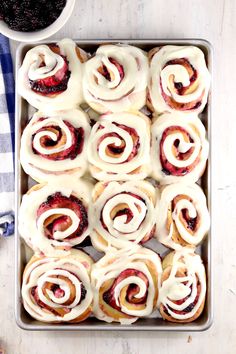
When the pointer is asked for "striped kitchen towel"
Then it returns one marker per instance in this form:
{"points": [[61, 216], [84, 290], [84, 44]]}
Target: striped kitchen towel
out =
{"points": [[7, 110]]}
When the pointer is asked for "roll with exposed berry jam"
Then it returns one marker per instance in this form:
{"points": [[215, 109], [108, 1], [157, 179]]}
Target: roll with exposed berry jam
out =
{"points": [[179, 79], [54, 144], [119, 146], [115, 79], [51, 75], [54, 217], [58, 289], [182, 217], [183, 287], [126, 284], [122, 214], [179, 148]]}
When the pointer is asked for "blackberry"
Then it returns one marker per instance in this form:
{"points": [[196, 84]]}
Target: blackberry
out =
{"points": [[30, 15]]}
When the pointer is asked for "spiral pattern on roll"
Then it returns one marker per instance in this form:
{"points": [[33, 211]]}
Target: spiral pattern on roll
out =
{"points": [[179, 148], [54, 144], [182, 216], [122, 214], [115, 79], [183, 287], [58, 289], [118, 147], [51, 76], [54, 217], [179, 79], [125, 284]]}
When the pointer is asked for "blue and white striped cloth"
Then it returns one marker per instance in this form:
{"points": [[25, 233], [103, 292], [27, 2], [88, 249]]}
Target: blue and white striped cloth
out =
{"points": [[7, 110]]}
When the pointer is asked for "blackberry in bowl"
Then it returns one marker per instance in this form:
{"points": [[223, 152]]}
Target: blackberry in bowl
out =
{"points": [[30, 20]]}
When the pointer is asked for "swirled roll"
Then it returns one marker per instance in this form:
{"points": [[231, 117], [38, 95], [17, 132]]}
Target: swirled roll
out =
{"points": [[51, 76], [115, 79], [179, 79], [54, 217], [123, 214], [54, 144], [179, 148], [182, 216], [125, 284], [183, 287], [58, 289], [118, 147]]}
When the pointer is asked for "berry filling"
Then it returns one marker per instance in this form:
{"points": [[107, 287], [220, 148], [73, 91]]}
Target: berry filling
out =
{"points": [[132, 290], [58, 293], [103, 70], [59, 222], [121, 211], [190, 223], [189, 308], [181, 90], [77, 135], [114, 150], [52, 84], [167, 167]]}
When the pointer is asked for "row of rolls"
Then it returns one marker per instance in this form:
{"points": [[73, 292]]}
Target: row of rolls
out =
{"points": [[115, 78], [116, 147], [54, 217], [119, 146], [63, 284], [122, 286]]}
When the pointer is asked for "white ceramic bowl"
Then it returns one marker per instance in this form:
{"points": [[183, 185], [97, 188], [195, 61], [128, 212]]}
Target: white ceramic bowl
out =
{"points": [[41, 34]]}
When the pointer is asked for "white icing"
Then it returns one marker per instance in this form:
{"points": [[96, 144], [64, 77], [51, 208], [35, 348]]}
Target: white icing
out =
{"points": [[196, 208], [107, 168], [31, 69], [161, 76], [76, 265], [31, 228], [173, 288], [116, 95], [110, 267], [200, 146], [119, 232], [42, 169]]}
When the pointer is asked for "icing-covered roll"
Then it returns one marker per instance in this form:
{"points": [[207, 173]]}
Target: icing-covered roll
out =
{"points": [[122, 214], [54, 217], [179, 148], [182, 216], [183, 287], [179, 79], [115, 79], [119, 146], [54, 144], [51, 76], [58, 289], [125, 284]]}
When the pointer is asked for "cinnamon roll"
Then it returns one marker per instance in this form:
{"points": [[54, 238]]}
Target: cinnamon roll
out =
{"points": [[179, 148], [54, 217], [118, 147], [54, 144], [182, 216], [179, 79], [123, 213], [51, 75], [126, 284], [58, 289], [115, 79], [183, 287]]}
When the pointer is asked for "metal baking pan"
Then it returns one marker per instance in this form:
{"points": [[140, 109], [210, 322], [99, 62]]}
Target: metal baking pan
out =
{"points": [[23, 182]]}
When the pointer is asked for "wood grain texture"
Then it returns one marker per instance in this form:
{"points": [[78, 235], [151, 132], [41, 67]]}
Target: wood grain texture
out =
{"points": [[212, 20]]}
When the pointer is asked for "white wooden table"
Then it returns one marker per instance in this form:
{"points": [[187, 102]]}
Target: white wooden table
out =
{"points": [[215, 21]]}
